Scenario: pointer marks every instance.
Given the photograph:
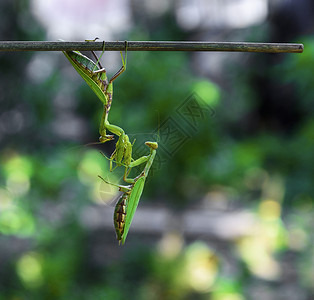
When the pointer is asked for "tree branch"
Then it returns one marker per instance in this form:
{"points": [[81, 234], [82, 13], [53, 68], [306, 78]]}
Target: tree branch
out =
{"points": [[152, 46]]}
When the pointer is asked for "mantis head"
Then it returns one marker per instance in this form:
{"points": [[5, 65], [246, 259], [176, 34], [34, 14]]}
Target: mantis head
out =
{"points": [[152, 145], [106, 138]]}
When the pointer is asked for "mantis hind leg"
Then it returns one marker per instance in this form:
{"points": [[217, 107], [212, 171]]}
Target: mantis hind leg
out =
{"points": [[122, 188], [101, 68], [123, 68], [98, 61]]}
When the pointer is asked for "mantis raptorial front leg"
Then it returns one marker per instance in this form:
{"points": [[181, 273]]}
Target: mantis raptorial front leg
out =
{"points": [[148, 159], [128, 202], [122, 155]]}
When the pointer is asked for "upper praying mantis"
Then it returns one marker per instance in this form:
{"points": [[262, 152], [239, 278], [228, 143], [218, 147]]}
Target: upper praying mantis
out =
{"points": [[95, 76]]}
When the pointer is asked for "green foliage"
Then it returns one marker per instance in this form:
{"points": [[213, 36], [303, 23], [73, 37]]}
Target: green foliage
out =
{"points": [[252, 151]]}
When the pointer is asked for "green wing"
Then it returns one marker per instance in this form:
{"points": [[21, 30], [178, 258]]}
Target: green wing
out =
{"points": [[134, 199], [86, 73]]}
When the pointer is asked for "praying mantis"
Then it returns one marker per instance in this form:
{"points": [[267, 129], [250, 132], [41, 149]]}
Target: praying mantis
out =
{"points": [[128, 202], [95, 76]]}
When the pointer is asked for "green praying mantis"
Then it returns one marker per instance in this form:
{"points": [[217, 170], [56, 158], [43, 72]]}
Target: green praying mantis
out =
{"points": [[128, 202], [95, 76]]}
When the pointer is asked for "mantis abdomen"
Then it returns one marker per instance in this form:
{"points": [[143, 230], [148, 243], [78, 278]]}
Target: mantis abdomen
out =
{"points": [[120, 215]]}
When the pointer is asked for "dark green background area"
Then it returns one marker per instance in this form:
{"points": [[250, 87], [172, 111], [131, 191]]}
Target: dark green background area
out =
{"points": [[235, 156]]}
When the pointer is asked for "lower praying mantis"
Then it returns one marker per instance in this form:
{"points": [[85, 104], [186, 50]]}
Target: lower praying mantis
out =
{"points": [[95, 76], [128, 202]]}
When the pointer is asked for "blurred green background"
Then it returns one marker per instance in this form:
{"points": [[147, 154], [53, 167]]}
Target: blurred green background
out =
{"points": [[227, 211]]}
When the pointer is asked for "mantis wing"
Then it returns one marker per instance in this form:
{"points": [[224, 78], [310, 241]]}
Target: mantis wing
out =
{"points": [[134, 199], [84, 66]]}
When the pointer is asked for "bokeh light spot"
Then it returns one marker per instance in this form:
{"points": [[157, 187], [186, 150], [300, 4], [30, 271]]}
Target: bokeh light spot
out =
{"points": [[29, 269], [170, 245], [90, 167], [269, 210], [16, 221], [207, 91], [18, 170], [201, 267], [6, 201]]}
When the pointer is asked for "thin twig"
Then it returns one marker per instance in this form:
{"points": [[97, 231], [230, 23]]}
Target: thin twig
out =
{"points": [[152, 46]]}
